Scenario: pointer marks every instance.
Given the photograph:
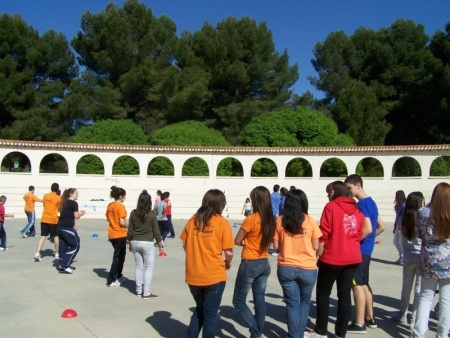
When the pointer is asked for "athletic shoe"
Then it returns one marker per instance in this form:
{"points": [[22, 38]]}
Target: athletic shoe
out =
{"points": [[172, 236], [274, 253], [67, 270], [400, 319], [312, 334], [115, 283], [121, 279], [56, 256], [152, 295], [371, 323], [138, 294], [357, 328], [3, 249], [37, 257], [23, 235]]}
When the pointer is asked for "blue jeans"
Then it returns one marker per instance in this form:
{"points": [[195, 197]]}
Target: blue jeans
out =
{"points": [[2, 235], [297, 285], [144, 256], [252, 274], [411, 275], [31, 216], [163, 228], [207, 300]]}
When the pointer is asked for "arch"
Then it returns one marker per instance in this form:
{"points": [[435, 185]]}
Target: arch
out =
{"points": [[90, 164], [125, 165], [406, 167], [161, 166], [195, 166], [299, 167], [16, 161], [54, 164], [230, 167], [333, 167], [440, 166], [370, 167], [264, 167]]}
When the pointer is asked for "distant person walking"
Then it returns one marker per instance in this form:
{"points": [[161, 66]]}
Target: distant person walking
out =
{"points": [[169, 214], [399, 207], [30, 199], [3, 215], [247, 207], [163, 221]]}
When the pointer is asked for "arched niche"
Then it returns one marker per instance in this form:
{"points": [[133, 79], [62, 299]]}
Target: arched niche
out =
{"points": [[298, 167], [16, 162], [264, 167], [369, 167], [125, 165], [440, 166], [333, 167], [195, 166], [230, 167], [406, 167], [53, 164], [161, 166], [90, 164]]}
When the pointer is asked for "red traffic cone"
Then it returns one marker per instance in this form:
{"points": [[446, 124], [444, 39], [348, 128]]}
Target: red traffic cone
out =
{"points": [[162, 253], [377, 242], [69, 313]]}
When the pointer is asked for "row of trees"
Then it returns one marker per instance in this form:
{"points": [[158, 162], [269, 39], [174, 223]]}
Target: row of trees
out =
{"points": [[390, 86]]}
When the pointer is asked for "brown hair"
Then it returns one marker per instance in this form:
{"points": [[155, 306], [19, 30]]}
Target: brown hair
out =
{"points": [[440, 209]]}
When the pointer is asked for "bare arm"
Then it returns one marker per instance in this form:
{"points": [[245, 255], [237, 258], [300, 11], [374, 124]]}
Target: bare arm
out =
{"points": [[275, 244], [78, 214], [367, 227], [315, 244], [380, 226], [240, 237], [9, 215], [320, 250], [228, 257], [123, 222]]}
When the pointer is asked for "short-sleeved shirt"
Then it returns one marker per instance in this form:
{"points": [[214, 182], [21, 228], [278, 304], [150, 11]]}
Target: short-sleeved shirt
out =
{"points": [[160, 213], [296, 249], [2, 213], [30, 198], [275, 200], [67, 216], [252, 226], [114, 212], [369, 208], [51, 203], [204, 261], [168, 207]]}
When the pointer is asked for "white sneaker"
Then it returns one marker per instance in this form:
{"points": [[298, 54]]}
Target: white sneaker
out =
{"points": [[274, 253], [37, 257], [56, 256], [68, 270], [312, 334], [115, 283], [3, 249]]}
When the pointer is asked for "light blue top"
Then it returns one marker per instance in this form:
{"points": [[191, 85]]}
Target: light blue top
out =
{"points": [[275, 198], [159, 208]]}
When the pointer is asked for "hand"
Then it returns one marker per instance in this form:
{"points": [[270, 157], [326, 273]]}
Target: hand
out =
{"points": [[227, 265], [242, 242], [129, 247]]}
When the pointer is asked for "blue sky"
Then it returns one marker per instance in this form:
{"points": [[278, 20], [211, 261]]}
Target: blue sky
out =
{"points": [[296, 25]]}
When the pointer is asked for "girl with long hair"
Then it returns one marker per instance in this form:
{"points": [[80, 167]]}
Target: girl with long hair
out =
{"points": [[342, 226], [297, 238], [143, 230], [399, 206], [433, 228], [208, 242], [117, 234], [411, 254], [69, 241], [255, 235]]}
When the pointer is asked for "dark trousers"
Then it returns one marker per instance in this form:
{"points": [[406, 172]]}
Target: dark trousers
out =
{"points": [[171, 229], [69, 245], [328, 274], [163, 228], [120, 246]]}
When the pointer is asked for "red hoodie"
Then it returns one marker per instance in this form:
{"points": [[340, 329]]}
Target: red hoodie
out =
{"points": [[342, 226]]}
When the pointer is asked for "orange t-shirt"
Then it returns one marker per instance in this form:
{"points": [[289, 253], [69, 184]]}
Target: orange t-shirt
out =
{"points": [[252, 226], [204, 261], [296, 249], [30, 198], [51, 203], [114, 212]]}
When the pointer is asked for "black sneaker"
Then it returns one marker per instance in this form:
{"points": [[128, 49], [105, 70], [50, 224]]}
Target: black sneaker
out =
{"points": [[357, 328], [371, 323]]}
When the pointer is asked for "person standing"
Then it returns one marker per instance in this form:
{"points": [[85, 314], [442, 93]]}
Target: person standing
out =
{"points": [[30, 199], [169, 214], [283, 193], [161, 215], [247, 207], [297, 238], [255, 236], [275, 200], [208, 242], [342, 226], [362, 292], [433, 228], [3, 214], [143, 230], [49, 221], [69, 241], [117, 234], [399, 207]]}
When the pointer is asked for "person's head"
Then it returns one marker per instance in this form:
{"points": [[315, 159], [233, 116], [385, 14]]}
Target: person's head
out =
{"points": [[354, 184], [118, 194], [247, 200], [262, 205], [2, 199], [440, 209], [329, 191], [31, 188], [54, 187], [159, 193], [303, 200], [165, 195], [339, 188], [400, 198], [293, 214], [414, 202], [68, 194], [276, 188], [144, 206], [213, 203], [283, 191], [292, 187]]}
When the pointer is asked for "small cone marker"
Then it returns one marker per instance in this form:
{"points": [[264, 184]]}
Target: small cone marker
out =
{"points": [[94, 235], [69, 313], [377, 242], [162, 254]]}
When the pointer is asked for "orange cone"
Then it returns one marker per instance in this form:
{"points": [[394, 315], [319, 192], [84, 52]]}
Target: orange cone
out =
{"points": [[69, 313]]}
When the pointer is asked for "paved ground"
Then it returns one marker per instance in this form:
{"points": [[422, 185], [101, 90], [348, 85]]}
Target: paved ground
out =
{"points": [[34, 295]]}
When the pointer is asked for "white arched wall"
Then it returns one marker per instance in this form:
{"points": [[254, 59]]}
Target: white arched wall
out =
{"points": [[187, 192]]}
